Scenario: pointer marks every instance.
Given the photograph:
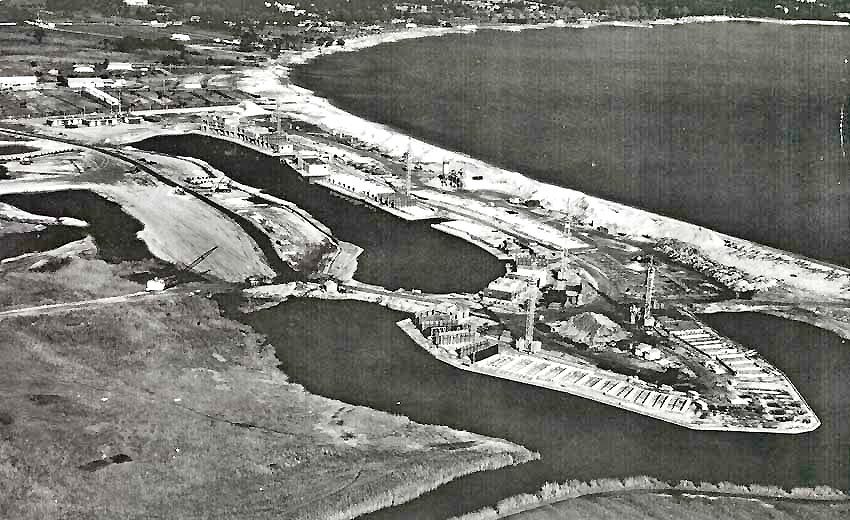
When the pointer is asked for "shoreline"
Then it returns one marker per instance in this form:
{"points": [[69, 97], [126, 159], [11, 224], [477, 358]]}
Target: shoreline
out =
{"points": [[411, 331], [553, 493], [794, 277]]}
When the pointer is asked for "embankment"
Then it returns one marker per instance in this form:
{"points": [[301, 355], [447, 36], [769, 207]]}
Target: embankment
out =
{"points": [[551, 493]]}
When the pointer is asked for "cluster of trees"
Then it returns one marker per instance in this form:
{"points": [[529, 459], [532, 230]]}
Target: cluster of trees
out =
{"points": [[132, 43]]}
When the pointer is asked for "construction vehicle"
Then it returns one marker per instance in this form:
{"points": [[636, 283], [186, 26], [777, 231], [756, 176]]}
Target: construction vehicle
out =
{"points": [[157, 283]]}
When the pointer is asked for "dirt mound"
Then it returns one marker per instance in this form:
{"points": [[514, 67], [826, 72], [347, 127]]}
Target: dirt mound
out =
{"points": [[590, 328]]}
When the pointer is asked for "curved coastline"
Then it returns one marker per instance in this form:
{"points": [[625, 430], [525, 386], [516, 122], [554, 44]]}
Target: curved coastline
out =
{"points": [[793, 277]]}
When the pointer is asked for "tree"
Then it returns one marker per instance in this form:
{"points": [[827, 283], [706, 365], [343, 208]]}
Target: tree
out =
{"points": [[4, 172]]}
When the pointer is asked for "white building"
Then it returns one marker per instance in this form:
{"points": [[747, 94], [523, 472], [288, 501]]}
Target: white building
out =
{"points": [[79, 83], [18, 82], [178, 37], [509, 289], [136, 3], [119, 66], [99, 95]]}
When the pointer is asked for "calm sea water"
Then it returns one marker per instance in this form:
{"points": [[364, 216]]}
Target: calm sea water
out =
{"points": [[730, 126]]}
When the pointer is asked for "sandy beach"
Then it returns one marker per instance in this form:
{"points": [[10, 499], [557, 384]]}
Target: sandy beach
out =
{"points": [[791, 277]]}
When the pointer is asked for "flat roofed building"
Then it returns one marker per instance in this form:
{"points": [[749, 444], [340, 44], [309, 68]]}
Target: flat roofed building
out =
{"points": [[79, 83], [18, 82], [510, 289], [119, 66]]}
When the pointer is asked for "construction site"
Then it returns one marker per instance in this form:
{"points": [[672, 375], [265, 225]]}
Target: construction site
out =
{"points": [[579, 310]]}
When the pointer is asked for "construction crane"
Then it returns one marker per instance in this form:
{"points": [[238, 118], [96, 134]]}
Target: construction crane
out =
{"points": [[648, 320], [277, 117], [157, 284], [527, 343], [408, 166], [200, 259], [568, 234]]}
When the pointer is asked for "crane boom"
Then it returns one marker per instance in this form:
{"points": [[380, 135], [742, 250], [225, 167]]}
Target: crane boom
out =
{"points": [[200, 259]]}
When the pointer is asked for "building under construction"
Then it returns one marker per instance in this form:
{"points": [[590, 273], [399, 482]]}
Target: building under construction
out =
{"points": [[448, 327]]}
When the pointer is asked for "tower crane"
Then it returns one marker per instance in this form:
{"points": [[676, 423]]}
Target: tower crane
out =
{"points": [[648, 320]]}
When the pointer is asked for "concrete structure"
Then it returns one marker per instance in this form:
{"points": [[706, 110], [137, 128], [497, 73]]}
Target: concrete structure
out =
{"points": [[508, 289], [79, 83], [445, 315], [65, 121], [457, 337], [119, 66], [178, 37], [100, 121], [101, 96], [136, 3], [18, 82]]}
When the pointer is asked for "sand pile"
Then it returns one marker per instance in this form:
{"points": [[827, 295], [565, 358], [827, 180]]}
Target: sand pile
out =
{"points": [[591, 329]]}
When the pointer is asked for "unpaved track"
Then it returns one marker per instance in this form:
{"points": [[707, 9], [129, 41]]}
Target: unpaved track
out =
{"points": [[63, 307]]}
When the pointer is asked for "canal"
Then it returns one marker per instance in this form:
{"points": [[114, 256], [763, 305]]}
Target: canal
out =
{"points": [[396, 253]]}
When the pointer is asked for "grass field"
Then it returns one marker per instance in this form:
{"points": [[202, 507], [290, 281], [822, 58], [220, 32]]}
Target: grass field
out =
{"points": [[165, 409], [650, 506], [18, 49]]}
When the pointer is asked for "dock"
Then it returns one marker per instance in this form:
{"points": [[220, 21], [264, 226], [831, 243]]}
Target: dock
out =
{"points": [[626, 393]]}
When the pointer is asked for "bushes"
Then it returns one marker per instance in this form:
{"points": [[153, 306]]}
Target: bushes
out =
{"points": [[552, 491], [132, 43]]}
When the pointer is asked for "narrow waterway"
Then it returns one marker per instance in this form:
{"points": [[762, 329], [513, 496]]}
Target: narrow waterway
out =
{"points": [[113, 230], [14, 244], [396, 253], [354, 352]]}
